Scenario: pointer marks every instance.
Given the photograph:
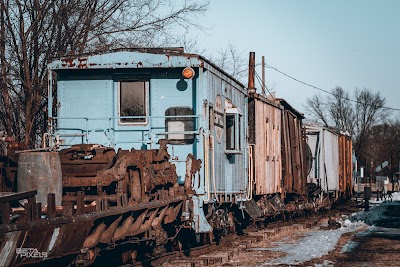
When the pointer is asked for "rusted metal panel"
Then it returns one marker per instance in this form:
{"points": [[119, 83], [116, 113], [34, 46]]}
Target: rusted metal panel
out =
{"points": [[68, 238], [37, 244], [36, 238], [127, 59], [8, 246], [345, 164], [27, 246], [267, 147], [85, 160], [12, 196], [251, 89], [89, 217], [290, 176], [137, 58], [54, 238], [349, 164], [40, 171]]}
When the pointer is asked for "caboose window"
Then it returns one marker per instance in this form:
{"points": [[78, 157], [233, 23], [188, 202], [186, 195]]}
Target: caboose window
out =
{"points": [[177, 126], [133, 101], [232, 130]]}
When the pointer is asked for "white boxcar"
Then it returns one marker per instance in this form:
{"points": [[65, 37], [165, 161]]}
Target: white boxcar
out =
{"points": [[324, 145]]}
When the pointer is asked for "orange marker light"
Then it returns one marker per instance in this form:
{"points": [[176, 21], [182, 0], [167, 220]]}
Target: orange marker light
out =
{"points": [[188, 73]]}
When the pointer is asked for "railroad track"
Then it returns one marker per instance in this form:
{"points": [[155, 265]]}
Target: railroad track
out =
{"points": [[233, 245]]}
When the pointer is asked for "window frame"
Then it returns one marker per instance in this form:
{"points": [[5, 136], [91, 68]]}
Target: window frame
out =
{"points": [[188, 139], [236, 112], [147, 102]]}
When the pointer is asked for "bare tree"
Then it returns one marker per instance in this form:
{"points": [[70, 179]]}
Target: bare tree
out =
{"points": [[231, 59], [369, 112], [383, 144], [334, 111], [341, 110], [190, 44], [33, 32], [315, 106], [354, 116]]}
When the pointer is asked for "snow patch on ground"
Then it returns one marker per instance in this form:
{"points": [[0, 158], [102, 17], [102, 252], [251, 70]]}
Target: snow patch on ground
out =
{"points": [[316, 244], [376, 212], [326, 263], [396, 196], [369, 217]]}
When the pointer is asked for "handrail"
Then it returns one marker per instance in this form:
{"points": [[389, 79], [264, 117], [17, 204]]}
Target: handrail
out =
{"points": [[84, 128], [127, 117], [250, 173], [213, 165], [206, 168]]}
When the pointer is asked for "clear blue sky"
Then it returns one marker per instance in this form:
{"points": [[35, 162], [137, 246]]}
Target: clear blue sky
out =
{"points": [[347, 43]]}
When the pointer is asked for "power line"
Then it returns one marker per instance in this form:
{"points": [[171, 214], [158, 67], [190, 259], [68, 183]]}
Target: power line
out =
{"points": [[263, 85], [325, 91]]}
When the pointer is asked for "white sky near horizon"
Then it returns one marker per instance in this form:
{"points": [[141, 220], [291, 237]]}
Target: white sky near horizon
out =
{"points": [[352, 44]]}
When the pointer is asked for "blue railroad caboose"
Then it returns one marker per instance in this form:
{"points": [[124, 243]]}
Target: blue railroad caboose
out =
{"points": [[134, 98]]}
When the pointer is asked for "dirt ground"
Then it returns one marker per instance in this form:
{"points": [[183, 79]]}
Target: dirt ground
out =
{"points": [[368, 246]]}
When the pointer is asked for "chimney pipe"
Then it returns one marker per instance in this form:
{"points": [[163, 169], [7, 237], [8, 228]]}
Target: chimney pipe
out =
{"points": [[251, 89]]}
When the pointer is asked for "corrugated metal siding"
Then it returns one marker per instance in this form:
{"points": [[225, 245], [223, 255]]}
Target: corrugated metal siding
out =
{"points": [[267, 148], [230, 169]]}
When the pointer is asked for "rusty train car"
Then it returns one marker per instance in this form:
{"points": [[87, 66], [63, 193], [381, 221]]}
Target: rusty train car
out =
{"points": [[278, 163], [152, 157], [151, 150]]}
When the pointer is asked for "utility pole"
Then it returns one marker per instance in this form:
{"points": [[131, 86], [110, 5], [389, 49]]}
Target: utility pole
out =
{"points": [[263, 75]]}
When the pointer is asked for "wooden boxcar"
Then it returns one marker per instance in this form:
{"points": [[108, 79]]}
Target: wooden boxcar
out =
{"points": [[276, 150], [293, 150], [265, 120]]}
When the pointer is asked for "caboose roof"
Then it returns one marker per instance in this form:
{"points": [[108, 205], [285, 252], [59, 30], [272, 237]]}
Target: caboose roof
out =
{"points": [[316, 127], [135, 58], [286, 105]]}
